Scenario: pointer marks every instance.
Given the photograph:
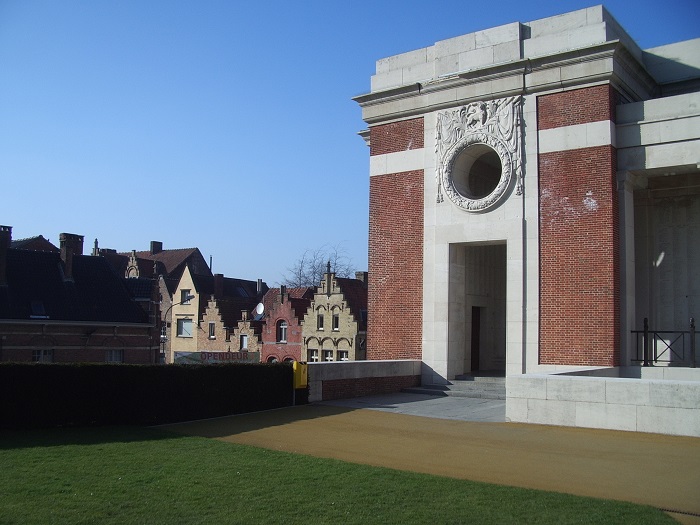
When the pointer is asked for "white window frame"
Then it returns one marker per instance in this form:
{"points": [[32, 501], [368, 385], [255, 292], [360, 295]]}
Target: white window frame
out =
{"points": [[244, 341], [336, 322], [343, 355], [282, 328], [328, 355], [181, 327], [313, 355], [183, 296], [212, 330], [319, 322]]}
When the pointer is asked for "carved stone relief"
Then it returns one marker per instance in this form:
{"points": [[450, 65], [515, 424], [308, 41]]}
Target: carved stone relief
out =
{"points": [[495, 124]]}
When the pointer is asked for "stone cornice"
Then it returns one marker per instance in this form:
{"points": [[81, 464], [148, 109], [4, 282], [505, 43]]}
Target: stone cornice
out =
{"points": [[511, 79]]}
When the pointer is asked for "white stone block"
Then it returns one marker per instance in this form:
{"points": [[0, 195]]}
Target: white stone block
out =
{"points": [[497, 35], [627, 392], [516, 410], [551, 412], [411, 58], [560, 23], [576, 389], [387, 80], [679, 394], [456, 45], [601, 415], [664, 420], [475, 59], [418, 73], [506, 51], [526, 387]]}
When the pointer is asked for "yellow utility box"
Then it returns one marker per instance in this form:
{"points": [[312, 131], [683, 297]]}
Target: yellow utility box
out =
{"points": [[301, 374]]}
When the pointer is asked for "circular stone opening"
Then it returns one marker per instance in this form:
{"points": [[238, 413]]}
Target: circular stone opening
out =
{"points": [[476, 171]]}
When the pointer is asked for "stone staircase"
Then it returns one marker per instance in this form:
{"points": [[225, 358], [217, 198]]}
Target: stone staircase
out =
{"points": [[485, 386]]}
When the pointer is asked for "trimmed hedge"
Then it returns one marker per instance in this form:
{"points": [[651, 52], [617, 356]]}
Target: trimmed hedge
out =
{"points": [[45, 395]]}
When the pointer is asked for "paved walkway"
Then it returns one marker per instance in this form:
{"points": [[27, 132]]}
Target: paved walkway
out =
{"points": [[460, 439]]}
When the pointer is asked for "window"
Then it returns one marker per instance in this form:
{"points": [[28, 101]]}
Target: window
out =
{"points": [[343, 355], [212, 330], [272, 359], [115, 356], [184, 294], [282, 331], [319, 322], [244, 342], [42, 356], [328, 355], [164, 331], [184, 327], [313, 356], [336, 322]]}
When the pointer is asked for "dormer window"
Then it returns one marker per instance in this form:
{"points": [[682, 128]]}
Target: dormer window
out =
{"points": [[185, 296]]}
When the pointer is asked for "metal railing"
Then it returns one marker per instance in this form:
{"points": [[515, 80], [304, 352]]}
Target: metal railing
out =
{"points": [[666, 346]]}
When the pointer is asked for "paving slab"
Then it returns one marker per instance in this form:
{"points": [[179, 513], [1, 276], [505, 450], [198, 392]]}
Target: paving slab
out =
{"points": [[653, 469]]}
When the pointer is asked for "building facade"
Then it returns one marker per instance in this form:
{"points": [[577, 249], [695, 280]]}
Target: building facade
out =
{"points": [[284, 310], [68, 307], [534, 195], [334, 327]]}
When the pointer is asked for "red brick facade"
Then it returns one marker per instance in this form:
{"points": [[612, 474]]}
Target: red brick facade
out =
{"points": [[578, 106], [397, 136], [366, 386], [75, 343], [291, 349], [579, 232], [395, 290]]}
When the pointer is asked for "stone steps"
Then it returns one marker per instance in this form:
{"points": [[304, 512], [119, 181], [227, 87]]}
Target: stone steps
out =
{"points": [[485, 387]]}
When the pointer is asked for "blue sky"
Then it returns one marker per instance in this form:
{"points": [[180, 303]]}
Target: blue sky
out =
{"points": [[224, 125]]}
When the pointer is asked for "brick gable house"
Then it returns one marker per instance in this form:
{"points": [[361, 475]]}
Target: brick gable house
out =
{"points": [[207, 321], [68, 307], [334, 327], [284, 308]]}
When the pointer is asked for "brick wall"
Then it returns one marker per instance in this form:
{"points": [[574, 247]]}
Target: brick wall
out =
{"points": [[579, 232], [366, 386], [578, 106], [397, 136], [395, 288]]}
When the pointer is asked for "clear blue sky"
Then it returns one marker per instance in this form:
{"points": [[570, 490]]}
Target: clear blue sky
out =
{"points": [[224, 125]]}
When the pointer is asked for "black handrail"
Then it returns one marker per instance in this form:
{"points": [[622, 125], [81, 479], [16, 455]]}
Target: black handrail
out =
{"points": [[655, 336]]}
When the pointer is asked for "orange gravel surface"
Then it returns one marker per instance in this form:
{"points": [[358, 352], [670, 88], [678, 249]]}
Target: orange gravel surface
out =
{"points": [[652, 469]]}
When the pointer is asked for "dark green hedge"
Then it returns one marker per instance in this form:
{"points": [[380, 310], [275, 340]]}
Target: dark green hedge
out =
{"points": [[43, 395]]}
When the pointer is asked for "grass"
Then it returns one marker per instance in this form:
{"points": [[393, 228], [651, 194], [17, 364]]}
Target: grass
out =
{"points": [[137, 475]]}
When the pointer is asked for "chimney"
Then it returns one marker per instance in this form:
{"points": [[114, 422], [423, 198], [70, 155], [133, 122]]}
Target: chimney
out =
{"points": [[96, 249], [283, 293], [361, 276], [259, 289], [244, 315], [71, 245], [156, 247], [5, 242], [218, 285]]}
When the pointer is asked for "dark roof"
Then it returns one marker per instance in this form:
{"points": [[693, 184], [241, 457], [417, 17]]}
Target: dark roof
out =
{"points": [[36, 289], [355, 292], [139, 288], [38, 243], [230, 311], [232, 289], [172, 263]]}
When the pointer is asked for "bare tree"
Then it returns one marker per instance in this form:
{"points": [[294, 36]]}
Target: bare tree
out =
{"points": [[308, 270]]}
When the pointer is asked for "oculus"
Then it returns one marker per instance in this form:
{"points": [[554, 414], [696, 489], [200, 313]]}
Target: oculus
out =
{"points": [[478, 149]]}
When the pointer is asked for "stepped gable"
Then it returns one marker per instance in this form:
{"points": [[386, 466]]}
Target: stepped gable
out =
{"points": [[355, 293]]}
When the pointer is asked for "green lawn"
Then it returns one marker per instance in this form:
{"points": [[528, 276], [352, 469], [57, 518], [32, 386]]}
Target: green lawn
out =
{"points": [[135, 475]]}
